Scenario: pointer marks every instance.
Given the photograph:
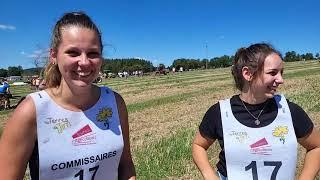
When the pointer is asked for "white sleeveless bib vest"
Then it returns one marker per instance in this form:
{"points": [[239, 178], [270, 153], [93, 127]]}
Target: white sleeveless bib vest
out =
{"points": [[78, 145], [264, 153]]}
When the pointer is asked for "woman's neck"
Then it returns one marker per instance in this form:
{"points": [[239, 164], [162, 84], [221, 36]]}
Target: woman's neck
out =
{"points": [[79, 98], [251, 98]]}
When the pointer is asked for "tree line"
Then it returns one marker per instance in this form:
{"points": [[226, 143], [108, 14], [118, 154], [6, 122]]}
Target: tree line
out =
{"points": [[226, 61], [135, 64], [293, 56], [129, 65], [11, 71], [217, 62]]}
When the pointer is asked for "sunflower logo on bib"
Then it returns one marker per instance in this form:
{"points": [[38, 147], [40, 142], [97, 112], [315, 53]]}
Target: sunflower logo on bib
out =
{"points": [[104, 115], [281, 131]]}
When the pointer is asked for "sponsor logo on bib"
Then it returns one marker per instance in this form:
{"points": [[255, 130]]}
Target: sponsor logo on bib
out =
{"points": [[104, 116], [280, 132], [60, 124], [84, 136], [261, 147], [240, 136]]}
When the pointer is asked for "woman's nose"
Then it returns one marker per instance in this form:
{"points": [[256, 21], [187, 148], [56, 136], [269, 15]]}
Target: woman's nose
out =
{"points": [[83, 60], [279, 79]]}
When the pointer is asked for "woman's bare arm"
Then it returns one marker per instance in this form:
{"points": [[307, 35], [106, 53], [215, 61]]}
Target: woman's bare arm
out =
{"points": [[17, 141]]}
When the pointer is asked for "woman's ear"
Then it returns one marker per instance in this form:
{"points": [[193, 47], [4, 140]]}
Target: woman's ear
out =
{"points": [[246, 73], [53, 56]]}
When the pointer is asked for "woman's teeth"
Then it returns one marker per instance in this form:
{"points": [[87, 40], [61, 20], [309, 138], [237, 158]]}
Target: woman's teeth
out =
{"points": [[83, 73]]}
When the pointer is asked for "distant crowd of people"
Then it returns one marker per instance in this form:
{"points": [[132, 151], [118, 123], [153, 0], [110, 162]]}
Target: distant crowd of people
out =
{"points": [[38, 83], [126, 74]]}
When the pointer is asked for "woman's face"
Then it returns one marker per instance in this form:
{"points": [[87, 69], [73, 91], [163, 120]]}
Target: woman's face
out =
{"points": [[267, 82], [79, 56]]}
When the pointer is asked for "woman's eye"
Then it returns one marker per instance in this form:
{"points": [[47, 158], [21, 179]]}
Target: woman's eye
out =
{"points": [[73, 53], [93, 55], [273, 73]]}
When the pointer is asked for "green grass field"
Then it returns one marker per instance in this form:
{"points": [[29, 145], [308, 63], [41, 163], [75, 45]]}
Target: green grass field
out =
{"points": [[165, 111]]}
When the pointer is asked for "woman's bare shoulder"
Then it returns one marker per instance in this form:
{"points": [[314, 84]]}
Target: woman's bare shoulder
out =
{"points": [[25, 113]]}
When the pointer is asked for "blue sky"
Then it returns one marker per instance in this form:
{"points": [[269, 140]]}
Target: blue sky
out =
{"points": [[163, 30]]}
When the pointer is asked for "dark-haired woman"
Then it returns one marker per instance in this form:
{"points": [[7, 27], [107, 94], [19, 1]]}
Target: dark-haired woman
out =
{"points": [[258, 129]]}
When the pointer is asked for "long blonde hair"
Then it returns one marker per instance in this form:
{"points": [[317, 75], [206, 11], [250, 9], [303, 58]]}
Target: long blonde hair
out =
{"points": [[52, 73]]}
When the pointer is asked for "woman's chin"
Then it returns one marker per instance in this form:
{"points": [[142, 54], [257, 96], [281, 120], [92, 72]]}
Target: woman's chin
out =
{"points": [[270, 94], [81, 83]]}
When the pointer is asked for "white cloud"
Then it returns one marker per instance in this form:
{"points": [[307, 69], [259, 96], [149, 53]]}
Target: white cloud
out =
{"points": [[137, 57], [5, 27], [154, 62], [35, 54], [32, 55], [40, 51], [221, 37]]}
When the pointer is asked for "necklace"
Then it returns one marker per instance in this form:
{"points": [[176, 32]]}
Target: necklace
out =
{"points": [[257, 121]]}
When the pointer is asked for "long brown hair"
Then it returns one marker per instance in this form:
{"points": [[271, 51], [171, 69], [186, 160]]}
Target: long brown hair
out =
{"points": [[252, 57]]}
